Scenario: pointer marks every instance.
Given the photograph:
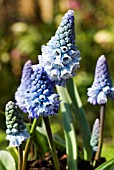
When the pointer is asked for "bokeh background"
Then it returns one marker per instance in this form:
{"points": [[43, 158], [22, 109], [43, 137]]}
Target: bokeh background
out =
{"points": [[27, 25]]}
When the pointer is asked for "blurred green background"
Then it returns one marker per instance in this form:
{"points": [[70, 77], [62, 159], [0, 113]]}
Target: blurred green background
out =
{"points": [[27, 25]]}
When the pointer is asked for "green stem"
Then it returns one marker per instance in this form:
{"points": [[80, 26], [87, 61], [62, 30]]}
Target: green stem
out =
{"points": [[51, 143], [102, 119], [20, 157], [27, 147], [32, 145]]}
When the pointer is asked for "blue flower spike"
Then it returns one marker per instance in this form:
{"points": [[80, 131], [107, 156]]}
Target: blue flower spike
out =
{"points": [[24, 86], [60, 57], [95, 135], [41, 100], [16, 129], [102, 85]]}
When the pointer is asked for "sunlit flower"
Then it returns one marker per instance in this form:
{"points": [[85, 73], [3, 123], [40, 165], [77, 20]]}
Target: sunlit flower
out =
{"points": [[24, 86], [102, 85], [60, 57], [95, 135], [16, 129], [41, 98]]}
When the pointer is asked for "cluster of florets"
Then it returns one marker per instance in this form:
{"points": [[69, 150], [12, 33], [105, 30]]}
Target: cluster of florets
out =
{"points": [[95, 135], [41, 98], [102, 85], [22, 90], [60, 57], [58, 62], [16, 129]]}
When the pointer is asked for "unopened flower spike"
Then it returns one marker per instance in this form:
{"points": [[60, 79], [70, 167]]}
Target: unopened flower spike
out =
{"points": [[95, 135], [24, 86], [60, 57], [41, 99], [102, 85], [16, 129]]}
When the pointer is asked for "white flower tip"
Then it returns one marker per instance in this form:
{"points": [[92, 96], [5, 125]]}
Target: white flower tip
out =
{"points": [[71, 12], [96, 123], [102, 57], [28, 62]]}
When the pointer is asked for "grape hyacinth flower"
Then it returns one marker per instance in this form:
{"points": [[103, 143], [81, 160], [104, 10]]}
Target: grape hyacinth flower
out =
{"points": [[24, 86], [60, 57], [95, 135], [16, 129], [102, 85], [41, 98]]}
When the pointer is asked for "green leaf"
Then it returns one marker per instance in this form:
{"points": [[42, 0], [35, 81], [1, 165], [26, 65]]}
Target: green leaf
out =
{"points": [[80, 115], [2, 167], [69, 130], [13, 151], [57, 139], [6, 161], [3, 141], [40, 142], [41, 130], [109, 165]]}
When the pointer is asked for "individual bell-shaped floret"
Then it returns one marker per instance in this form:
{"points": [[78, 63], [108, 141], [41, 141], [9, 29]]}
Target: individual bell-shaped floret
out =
{"points": [[16, 129], [102, 85], [24, 86], [60, 57], [41, 100], [95, 135]]}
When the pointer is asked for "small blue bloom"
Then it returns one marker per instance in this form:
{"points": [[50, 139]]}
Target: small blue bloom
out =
{"points": [[95, 135], [60, 57], [41, 98], [16, 129], [24, 86], [102, 85]]}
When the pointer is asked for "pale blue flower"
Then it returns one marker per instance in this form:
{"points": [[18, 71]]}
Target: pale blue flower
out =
{"points": [[16, 129], [24, 86], [95, 135], [41, 98], [60, 57], [102, 85]]}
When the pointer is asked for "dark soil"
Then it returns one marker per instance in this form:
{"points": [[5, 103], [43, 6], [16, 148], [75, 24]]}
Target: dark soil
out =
{"points": [[47, 163]]}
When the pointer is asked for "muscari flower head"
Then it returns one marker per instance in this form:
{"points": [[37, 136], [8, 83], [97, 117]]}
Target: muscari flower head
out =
{"points": [[24, 86], [102, 85], [95, 135], [60, 57], [16, 129], [41, 98]]}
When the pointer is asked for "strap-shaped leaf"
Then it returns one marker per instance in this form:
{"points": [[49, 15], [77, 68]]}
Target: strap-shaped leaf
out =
{"points": [[80, 115], [40, 142], [109, 165], [69, 130], [57, 139], [13, 151], [6, 161]]}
